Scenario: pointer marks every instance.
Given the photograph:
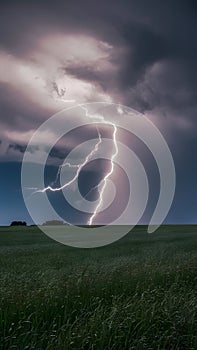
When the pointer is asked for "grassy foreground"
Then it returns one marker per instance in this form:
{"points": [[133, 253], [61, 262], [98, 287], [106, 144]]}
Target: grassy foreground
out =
{"points": [[138, 293]]}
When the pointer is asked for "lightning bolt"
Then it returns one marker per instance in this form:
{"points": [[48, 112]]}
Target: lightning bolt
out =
{"points": [[62, 166], [99, 119], [104, 180], [78, 166]]}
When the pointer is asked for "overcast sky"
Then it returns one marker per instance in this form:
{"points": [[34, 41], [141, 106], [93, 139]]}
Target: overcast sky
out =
{"points": [[142, 54]]}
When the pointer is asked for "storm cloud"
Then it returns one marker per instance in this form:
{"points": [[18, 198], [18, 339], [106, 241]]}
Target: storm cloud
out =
{"points": [[143, 54]]}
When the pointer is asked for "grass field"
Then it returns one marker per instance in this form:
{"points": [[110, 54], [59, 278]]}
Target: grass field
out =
{"points": [[138, 293]]}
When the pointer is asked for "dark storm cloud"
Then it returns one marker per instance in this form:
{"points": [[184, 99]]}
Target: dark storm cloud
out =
{"points": [[19, 148], [91, 74], [144, 49], [152, 67], [157, 67], [86, 73], [17, 112], [22, 22]]}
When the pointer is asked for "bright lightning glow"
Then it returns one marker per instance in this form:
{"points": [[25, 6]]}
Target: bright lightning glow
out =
{"points": [[62, 166], [99, 119], [104, 181], [106, 177], [78, 166]]}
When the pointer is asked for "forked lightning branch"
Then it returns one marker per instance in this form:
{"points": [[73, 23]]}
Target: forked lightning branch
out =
{"points": [[95, 119]]}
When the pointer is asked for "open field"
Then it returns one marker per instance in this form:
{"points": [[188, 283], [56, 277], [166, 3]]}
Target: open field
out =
{"points": [[138, 293]]}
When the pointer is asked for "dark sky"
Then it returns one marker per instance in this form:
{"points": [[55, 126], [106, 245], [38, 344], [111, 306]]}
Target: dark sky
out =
{"points": [[142, 54]]}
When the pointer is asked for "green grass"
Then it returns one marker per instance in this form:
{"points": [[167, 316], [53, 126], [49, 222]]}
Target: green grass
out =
{"points": [[138, 293]]}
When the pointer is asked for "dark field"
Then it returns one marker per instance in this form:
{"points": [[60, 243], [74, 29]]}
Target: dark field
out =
{"points": [[138, 293]]}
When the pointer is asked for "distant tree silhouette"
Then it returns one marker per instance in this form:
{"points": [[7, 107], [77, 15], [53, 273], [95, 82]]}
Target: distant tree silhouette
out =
{"points": [[18, 223]]}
